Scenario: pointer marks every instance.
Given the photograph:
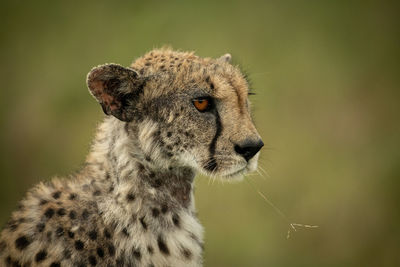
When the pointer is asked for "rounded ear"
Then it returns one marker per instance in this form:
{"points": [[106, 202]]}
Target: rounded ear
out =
{"points": [[114, 87], [225, 58]]}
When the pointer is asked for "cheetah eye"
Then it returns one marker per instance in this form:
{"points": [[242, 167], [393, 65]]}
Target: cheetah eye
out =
{"points": [[202, 104]]}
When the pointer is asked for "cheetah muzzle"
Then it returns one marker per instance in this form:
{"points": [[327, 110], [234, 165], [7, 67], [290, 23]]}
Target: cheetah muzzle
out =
{"points": [[169, 115]]}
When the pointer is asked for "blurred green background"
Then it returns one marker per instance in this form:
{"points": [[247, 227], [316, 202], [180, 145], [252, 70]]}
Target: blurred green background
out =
{"points": [[326, 77]]}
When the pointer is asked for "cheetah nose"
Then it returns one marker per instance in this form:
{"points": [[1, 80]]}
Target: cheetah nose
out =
{"points": [[249, 148]]}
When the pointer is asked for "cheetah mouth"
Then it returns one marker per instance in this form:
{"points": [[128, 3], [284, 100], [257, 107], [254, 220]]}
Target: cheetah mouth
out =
{"points": [[235, 174]]}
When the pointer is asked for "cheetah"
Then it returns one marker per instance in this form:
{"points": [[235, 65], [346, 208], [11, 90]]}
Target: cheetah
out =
{"points": [[170, 115]]}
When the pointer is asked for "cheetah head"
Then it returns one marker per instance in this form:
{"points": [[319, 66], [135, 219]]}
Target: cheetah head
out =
{"points": [[183, 110]]}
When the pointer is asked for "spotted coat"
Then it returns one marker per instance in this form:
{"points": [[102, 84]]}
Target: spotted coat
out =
{"points": [[132, 203]]}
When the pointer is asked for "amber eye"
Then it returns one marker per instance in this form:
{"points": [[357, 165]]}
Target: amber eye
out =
{"points": [[202, 104]]}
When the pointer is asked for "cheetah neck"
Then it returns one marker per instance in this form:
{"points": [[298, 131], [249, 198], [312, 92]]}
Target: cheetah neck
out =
{"points": [[117, 154], [146, 203]]}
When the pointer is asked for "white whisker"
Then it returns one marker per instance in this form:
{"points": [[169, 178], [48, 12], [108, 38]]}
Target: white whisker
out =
{"points": [[291, 226]]}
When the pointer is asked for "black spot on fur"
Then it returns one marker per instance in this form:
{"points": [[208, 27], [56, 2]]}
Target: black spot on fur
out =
{"points": [[125, 232], [156, 183], [71, 234], [72, 196], [93, 235], [169, 134], [49, 213], [137, 254], [40, 256], [49, 236], [186, 253], [61, 212], [97, 193], [72, 215], [162, 246], [85, 214], [130, 197], [79, 245], [155, 212], [92, 260], [107, 234], [161, 142], [164, 208], [141, 167], [55, 264], [176, 220], [111, 249], [100, 252], [40, 227], [22, 242], [150, 249], [59, 231], [144, 225], [56, 195], [43, 202]]}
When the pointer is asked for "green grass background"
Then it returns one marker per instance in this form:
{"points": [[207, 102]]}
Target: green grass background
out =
{"points": [[326, 74]]}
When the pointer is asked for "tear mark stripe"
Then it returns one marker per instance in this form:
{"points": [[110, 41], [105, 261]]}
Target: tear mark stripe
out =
{"points": [[212, 164]]}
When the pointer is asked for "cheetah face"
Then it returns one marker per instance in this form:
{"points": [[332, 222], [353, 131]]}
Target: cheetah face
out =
{"points": [[216, 137], [194, 113]]}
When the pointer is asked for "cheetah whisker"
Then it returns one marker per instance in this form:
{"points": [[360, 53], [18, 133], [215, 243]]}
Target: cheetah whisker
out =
{"points": [[264, 171], [291, 225]]}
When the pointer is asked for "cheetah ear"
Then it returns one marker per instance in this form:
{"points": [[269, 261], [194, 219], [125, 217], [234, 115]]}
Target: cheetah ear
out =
{"points": [[115, 88], [225, 58]]}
